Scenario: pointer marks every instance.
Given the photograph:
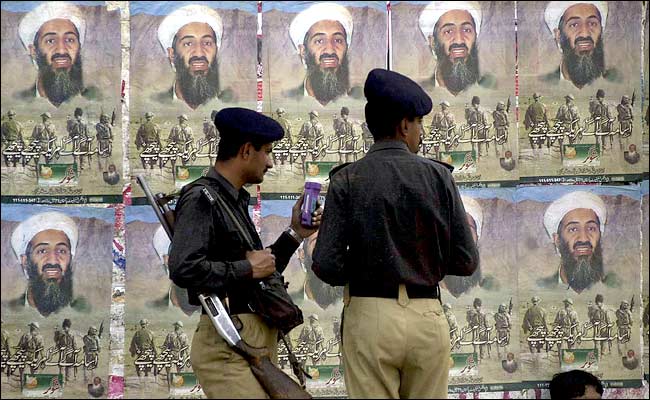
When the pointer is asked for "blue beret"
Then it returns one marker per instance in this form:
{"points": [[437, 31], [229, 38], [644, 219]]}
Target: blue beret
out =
{"points": [[247, 125], [395, 93]]}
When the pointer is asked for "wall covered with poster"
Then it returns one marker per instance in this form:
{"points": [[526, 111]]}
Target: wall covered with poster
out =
{"points": [[56, 296], [61, 110], [96, 93]]}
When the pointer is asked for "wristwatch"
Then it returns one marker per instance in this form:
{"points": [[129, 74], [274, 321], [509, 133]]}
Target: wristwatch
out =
{"points": [[294, 235]]}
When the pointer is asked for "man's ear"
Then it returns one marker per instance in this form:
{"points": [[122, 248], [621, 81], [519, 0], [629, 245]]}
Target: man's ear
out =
{"points": [[170, 55], [556, 241], [245, 150], [403, 128], [301, 51], [556, 34], [32, 54], [23, 264]]}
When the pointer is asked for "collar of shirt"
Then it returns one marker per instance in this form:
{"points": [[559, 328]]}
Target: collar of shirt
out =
{"points": [[36, 93], [241, 196], [388, 144], [561, 73], [174, 91]]}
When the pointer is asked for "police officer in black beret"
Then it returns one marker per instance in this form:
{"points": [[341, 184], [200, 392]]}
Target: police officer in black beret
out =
{"points": [[394, 226], [210, 254]]}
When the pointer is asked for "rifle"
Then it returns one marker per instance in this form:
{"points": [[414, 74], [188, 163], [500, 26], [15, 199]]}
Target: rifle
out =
{"points": [[508, 105], [275, 382], [101, 329]]}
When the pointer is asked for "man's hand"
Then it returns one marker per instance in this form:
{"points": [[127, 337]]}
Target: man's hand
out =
{"points": [[262, 262], [295, 218]]}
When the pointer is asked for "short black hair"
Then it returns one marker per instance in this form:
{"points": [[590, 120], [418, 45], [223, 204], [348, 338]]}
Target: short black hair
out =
{"points": [[571, 384], [229, 147], [382, 123]]}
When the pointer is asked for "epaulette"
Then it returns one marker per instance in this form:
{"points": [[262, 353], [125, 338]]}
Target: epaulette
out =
{"points": [[337, 169], [448, 166]]}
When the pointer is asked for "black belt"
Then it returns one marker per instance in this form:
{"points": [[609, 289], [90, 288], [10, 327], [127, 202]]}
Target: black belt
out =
{"points": [[233, 308], [413, 291]]}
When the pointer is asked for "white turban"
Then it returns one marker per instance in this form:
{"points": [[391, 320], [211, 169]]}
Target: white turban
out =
{"points": [[432, 13], [33, 20], [555, 10], [161, 242], [185, 15], [26, 230], [571, 201], [320, 12], [475, 211]]}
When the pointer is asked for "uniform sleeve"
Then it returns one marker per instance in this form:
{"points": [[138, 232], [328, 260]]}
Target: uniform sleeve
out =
{"points": [[331, 245], [463, 254], [283, 249], [194, 234]]}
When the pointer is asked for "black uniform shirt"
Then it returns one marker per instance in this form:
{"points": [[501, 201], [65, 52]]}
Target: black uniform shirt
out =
{"points": [[208, 254], [393, 217]]}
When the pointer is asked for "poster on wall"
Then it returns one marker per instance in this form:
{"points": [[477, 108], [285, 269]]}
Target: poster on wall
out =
{"points": [[463, 55], [578, 282], [645, 275], [645, 105], [158, 321], [56, 294], [580, 91], [315, 343], [61, 109], [482, 309], [316, 58], [188, 61]]}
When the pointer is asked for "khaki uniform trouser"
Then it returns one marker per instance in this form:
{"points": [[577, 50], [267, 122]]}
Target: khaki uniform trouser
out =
{"points": [[223, 373], [395, 348]]}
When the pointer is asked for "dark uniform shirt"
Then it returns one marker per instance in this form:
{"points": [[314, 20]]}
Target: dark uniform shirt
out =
{"points": [[393, 217], [208, 254]]}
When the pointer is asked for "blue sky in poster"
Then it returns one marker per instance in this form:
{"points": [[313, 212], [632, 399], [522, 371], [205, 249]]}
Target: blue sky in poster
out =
{"points": [[25, 6], [20, 212], [550, 193], [297, 6], [166, 7], [139, 213], [146, 214]]}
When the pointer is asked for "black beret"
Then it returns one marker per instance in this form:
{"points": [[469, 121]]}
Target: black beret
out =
{"points": [[600, 93], [247, 125], [395, 93]]}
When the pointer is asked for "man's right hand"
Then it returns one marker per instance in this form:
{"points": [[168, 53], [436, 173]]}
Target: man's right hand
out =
{"points": [[262, 262]]}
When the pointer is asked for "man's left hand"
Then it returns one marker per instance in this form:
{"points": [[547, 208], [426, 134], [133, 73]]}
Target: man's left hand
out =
{"points": [[305, 231]]}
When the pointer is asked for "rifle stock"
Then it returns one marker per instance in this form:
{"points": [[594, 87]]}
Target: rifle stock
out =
{"points": [[276, 383]]}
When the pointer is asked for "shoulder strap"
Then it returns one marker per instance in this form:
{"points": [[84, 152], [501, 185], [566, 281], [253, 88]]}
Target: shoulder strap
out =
{"points": [[215, 197]]}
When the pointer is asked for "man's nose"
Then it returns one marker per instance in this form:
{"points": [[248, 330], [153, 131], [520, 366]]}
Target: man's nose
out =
{"points": [[458, 37], [51, 257], [584, 31], [198, 51], [60, 47], [330, 46], [583, 236]]}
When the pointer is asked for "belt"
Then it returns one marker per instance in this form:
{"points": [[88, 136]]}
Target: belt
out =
{"points": [[414, 291], [233, 308]]}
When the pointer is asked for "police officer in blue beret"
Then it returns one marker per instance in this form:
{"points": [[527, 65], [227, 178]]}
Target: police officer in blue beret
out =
{"points": [[394, 226], [210, 253]]}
